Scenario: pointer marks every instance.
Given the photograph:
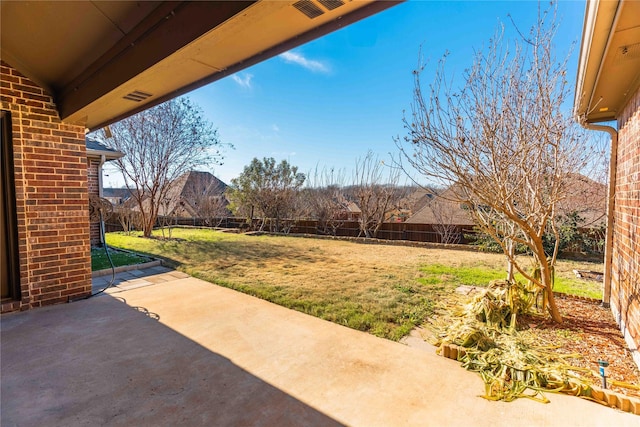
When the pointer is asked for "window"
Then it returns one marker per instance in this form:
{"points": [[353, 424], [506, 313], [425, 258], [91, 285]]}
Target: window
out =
{"points": [[9, 261]]}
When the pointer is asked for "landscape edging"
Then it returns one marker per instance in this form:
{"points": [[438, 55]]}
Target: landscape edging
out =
{"points": [[602, 396], [152, 263]]}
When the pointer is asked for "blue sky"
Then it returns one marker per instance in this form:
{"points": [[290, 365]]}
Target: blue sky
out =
{"points": [[328, 102]]}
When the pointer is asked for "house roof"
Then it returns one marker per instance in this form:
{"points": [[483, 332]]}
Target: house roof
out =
{"points": [[97, 149], [120, 193], [609, 65], [441, 211], [585, 196], [103, 61], [352, 207], [416, 199], [188, 188]]}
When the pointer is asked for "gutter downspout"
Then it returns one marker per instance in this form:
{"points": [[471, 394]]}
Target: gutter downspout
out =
{"points": [[103, 160], [611, 195]]}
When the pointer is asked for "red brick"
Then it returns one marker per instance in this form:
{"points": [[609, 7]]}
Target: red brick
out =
{"points": [[65, 133], [47, 165], [626, 236], [28, 89], [73, 293]]}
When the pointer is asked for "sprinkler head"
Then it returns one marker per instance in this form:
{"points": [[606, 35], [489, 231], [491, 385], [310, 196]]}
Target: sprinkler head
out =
{"points": [[603, 364]]}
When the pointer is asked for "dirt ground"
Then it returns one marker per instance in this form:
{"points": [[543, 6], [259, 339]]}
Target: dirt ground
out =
{"points": [[591, 331]]}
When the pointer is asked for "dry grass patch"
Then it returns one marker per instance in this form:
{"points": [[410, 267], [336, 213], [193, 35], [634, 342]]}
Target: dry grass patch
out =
{"points": [[375, 288]]}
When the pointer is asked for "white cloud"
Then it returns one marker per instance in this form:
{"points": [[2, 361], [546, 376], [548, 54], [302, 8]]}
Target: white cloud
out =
{"points": [[283, 154], [309, 64], [243, 80]]}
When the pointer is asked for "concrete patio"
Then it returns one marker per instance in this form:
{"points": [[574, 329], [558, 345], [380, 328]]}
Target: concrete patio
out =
{"points": [[163, 348]]}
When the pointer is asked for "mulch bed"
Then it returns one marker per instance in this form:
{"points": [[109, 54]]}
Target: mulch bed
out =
{"points": [[591, 331]]}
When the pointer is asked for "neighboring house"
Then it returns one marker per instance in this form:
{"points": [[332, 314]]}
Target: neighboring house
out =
{"points": [[193, 195], [416, 200], [608, 90], [585, 197], [349, 211], [442, 210], [64, 79], [346, 210], [409, 205], [588, 199], [116, 196], [397, 215], [97, 155]]}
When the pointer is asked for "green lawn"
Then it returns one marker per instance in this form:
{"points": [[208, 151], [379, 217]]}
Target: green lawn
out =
{"points": [[99, 260], [381, 289], [480, 276]]}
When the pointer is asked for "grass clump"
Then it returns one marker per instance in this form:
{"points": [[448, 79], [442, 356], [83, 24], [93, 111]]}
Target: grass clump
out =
{"points": [[100, 261], [482, 275], [460, 275]]}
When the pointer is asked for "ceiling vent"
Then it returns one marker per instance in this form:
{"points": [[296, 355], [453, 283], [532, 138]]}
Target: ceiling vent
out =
{"points": [[137, 96], [331, 4], [627, 52], [308, 8]]}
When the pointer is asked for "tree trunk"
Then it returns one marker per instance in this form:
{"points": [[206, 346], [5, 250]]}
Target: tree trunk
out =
{"points": [[511, 248], [547, 282], [546, 278], [147, 227]]}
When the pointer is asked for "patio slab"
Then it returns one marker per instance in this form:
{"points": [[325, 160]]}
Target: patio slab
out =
{"points": [[186, 352], [130, 279]]}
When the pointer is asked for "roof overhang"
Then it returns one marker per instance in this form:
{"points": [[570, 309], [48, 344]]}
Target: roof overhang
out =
{"points": [[103, 61], [108, 155], [97, 150], [609, 67]]}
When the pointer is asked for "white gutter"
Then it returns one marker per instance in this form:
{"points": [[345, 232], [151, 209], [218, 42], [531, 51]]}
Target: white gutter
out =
{"points": [[614, 23], [107, 154], [601, 18], [588, 35]]}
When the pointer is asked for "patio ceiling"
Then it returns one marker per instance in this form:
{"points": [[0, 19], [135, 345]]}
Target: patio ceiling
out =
{"points": [[103, 61], [609, 68]]}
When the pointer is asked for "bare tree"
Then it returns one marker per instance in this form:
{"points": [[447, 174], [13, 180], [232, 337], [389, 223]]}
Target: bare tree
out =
{"points": [[205, 195], [375, 192], [166, 214], [213, 210], [444, 212], [325, 200], [128, 218], [161, 144], [505, 141]]}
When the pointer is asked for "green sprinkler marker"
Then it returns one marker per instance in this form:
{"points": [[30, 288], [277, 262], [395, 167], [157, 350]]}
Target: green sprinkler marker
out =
{"points": [[603, 364]]}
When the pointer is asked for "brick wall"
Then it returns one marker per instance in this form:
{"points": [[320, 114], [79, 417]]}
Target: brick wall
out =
{"points": [[51, 196], [93, 181], [625, 288]]}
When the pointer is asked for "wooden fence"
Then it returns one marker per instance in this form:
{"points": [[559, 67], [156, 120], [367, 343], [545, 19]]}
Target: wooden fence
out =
{"points": [[388, 230]]}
